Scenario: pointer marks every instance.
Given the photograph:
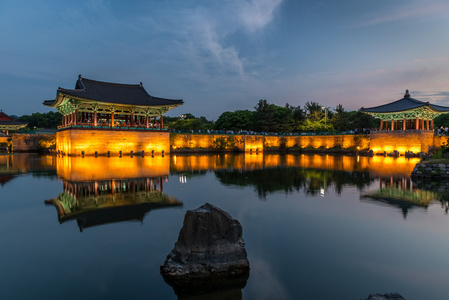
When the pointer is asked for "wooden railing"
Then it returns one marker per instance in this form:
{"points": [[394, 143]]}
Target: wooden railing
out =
{"points": [[108, 126]]}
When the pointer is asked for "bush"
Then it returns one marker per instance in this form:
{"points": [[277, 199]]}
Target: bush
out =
{"points": [[224, 143]]}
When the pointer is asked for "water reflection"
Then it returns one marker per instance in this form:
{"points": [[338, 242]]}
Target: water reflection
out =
{"points": [[267, 173], [400, 193], [103, 190], [316, 174], [13, 165]]}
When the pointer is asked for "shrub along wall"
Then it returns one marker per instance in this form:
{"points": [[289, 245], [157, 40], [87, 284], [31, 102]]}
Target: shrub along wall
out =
{"points": [[179, 142]]}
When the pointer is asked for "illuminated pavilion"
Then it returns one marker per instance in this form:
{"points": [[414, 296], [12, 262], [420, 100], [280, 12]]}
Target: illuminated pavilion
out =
{"points": [[406, 114], [405, 125], [8, 123], [103, 117]]}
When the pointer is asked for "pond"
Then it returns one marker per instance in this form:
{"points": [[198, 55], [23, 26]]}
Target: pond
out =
{"points": [[315, 226]]}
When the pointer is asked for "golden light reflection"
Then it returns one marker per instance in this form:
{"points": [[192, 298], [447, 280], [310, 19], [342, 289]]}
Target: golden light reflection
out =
{"points": [[377, 165], [75, 168]]}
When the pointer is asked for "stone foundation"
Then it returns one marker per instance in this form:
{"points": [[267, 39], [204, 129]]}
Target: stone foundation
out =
{"points": [[402, 141], [89, 141]]}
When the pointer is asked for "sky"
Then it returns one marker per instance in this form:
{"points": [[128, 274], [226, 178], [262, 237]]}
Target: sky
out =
{"points": [[227, 55]]}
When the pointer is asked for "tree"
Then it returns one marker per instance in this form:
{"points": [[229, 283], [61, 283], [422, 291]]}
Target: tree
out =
{"points": [[237, 120], [314, 111], [49, 120], [273, 118], [340, 119]]}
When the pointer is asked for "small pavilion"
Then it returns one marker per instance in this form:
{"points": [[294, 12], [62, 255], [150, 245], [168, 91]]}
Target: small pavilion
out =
{"points": [[406, 114], [406, 125], [8, 123], [102, 118]]}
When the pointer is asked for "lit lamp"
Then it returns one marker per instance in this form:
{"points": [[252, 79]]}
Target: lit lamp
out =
{"points": [[325, 115]]}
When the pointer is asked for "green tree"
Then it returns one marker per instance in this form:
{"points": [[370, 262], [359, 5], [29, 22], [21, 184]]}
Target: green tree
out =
{"points": [[273, 118], [237, 120], [314, 111], [49, 120]]}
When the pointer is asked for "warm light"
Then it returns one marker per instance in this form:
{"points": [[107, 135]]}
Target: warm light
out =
{"points": [[91, 168]]}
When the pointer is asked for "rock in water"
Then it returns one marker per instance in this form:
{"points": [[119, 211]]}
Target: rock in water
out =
{"points": [[388, 296], [210, 249]]}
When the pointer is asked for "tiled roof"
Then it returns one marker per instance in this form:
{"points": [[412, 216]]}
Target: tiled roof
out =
{"points": [[7, 120], [404, 104], [116, 93]]}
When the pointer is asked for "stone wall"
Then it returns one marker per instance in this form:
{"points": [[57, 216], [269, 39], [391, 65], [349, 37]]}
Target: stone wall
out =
{"points": [[4, 139], [31, 142], [429, 170], [260, 142], [402, 141], [75, 141], [439, 141]]}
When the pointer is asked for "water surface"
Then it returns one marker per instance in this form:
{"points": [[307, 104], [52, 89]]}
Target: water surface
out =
{"points": [[315, 227]]}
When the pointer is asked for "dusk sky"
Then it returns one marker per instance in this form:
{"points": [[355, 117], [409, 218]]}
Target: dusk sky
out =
{"points": [[226, 55]]}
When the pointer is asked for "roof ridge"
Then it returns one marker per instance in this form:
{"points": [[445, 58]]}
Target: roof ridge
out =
{"points": [[110, 83]]}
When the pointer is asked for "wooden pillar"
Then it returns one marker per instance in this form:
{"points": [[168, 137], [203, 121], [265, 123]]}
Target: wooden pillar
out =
{"points": [[404, 124], [112, 119], [147, 122], [132, 119], [76, 116], [381, 124], [427, 125], [431, 125], [95, 118], [7, 131], [398, 125], [392, 125], [417, 123], [422, 124]]}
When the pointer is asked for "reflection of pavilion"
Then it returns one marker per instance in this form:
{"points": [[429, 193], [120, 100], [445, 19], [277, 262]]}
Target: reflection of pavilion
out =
{"points": [[105, 190], [401, 193], [109, 201]]}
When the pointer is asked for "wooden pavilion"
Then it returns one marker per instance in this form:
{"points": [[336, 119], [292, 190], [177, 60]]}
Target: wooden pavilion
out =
{"points": [[8, 123], [406, 114], [406, 125], [110, 118]]}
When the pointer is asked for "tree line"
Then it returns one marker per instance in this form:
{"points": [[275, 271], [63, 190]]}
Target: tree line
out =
{"points": [[268, 117], [265, 117]]}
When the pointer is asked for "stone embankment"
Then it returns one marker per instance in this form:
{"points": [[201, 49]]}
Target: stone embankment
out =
{"points": [[431, 170]]}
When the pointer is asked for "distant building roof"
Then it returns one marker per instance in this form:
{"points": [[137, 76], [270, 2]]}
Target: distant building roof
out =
{"points": [[114, 93], [404, 104], [6, 120]]}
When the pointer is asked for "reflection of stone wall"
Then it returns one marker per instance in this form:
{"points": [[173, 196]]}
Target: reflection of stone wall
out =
{"points": [[402, 141], [74, 141]]}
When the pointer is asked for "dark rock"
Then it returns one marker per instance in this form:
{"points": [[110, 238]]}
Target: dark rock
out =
{"points": [[210, 251], [389, 296]]}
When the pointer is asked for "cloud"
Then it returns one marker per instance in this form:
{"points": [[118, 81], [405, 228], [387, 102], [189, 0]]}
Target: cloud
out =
{"points": [[256, 14], [409, 11]]}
